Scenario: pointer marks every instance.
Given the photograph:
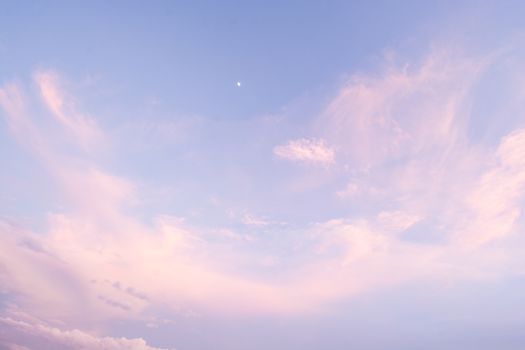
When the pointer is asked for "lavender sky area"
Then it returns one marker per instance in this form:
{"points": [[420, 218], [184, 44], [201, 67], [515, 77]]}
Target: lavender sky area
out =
{"points": [[203, 175]]}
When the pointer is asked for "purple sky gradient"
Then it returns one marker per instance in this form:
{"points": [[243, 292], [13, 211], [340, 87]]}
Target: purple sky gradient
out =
{"points": [[361, 188]]}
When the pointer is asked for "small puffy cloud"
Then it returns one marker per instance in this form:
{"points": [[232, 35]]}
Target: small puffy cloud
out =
{"points": [[312, 150]]}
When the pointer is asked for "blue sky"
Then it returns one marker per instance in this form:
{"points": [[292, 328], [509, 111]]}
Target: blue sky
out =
{"points": [[361, 187]]}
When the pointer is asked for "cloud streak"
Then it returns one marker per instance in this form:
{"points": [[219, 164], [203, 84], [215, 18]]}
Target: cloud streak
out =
{"points": [[62, 108]]}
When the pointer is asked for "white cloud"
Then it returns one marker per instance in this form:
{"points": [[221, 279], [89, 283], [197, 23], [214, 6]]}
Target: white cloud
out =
{"points": [[19, 334], [314, 151]]}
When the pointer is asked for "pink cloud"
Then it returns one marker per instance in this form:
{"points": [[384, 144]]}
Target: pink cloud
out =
{"points": [[62, 108], [406, 110], [493, 204], [107, 264]]}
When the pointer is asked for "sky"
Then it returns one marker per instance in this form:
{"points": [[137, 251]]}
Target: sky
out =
{"points": [[200, 175]]}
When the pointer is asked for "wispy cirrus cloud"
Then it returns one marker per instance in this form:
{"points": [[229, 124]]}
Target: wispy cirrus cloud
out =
{"points": [[101, 242], [63, 109], [107, 263], [407, 110]]}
